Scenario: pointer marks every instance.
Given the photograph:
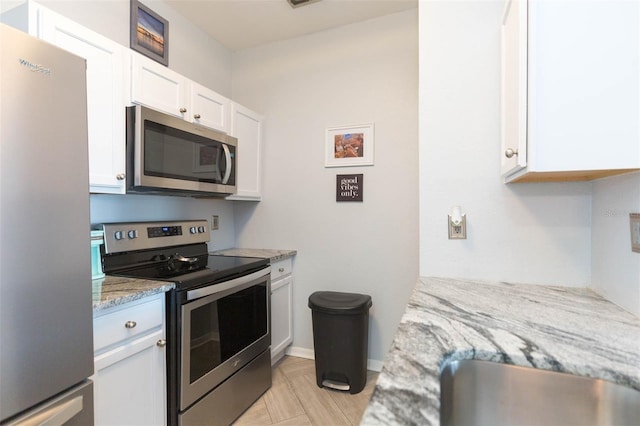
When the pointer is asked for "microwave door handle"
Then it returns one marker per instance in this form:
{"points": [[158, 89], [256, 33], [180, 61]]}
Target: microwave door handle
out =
{"points": [[227, 171]]}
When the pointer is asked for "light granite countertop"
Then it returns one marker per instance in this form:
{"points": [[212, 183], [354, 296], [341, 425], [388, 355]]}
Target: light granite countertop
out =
{"points": [[570, 330], [112, 291], [272, 254]]}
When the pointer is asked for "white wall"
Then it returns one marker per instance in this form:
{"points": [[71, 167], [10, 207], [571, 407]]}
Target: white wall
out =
{"points": [[361, 73], [135, 207], [615, 268], [532, 233]]}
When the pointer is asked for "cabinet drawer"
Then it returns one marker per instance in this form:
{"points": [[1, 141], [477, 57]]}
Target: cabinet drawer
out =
{"points": [[280, 268], [126, 323]]}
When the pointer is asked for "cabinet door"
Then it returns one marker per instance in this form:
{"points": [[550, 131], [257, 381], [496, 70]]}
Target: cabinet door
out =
{"points": [[514, 87], [246, 126], [209, 108], [105, 98], [158, 87], [129, 384], [281, 316]]}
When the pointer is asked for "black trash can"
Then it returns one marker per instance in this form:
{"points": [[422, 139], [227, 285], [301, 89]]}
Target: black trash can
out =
{"points": [[340, 339]]}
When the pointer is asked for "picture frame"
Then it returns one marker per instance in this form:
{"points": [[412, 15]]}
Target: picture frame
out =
{"points": [[149, 33], [349, 187], [347, 146]]}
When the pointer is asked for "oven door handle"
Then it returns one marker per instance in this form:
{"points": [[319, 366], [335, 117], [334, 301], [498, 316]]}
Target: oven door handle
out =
{"points": [[226, 285]]}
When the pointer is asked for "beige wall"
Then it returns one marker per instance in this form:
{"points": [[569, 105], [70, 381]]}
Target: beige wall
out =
{"points": [[615, 268], [361, 73], [530, 233]]}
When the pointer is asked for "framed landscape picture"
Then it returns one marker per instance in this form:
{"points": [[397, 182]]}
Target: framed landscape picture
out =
{"points": [[349, 146], [149, 33]]}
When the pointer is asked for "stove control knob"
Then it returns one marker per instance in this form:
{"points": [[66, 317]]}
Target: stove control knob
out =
{"points": [[118, 235], [193, 230], [132, 234], [201, 229]]}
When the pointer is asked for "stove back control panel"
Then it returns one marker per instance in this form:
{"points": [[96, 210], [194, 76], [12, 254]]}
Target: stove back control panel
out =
{"points": [[119, 237]]}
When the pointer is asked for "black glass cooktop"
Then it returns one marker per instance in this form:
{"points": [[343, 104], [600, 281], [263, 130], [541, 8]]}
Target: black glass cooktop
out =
{"points": [[194, 271]]}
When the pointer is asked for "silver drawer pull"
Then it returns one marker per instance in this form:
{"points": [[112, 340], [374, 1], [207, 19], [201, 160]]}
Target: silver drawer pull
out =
{"points": [[280, 269], [130, 324], [161, 343]]}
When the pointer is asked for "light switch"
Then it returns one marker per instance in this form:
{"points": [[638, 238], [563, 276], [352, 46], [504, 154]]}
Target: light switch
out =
{"points": [[634, 221]]}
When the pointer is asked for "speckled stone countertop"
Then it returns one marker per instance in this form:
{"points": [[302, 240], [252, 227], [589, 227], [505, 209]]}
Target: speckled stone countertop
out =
{"points": [[571, 330], [272, 254], [113, 291]]}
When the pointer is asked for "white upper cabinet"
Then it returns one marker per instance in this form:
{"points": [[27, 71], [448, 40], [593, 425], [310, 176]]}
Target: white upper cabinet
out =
{"points": [[209, 108], [246, 126], [570, 89], [105, 99], [158, 87], [514, 87], [163, 89], [105, 88]]}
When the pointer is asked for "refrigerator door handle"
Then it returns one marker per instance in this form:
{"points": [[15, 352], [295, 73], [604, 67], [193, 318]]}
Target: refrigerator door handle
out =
{"points": [[57, 415]]}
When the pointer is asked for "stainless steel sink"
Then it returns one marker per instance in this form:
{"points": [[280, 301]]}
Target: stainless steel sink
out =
{"points": [[487, 393]]}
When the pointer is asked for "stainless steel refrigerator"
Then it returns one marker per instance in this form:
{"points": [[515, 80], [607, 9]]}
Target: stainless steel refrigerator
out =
{"points": [[46, 336]]}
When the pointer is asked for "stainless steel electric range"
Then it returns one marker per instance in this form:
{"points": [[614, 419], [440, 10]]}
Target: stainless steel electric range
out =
{"points": [[218, 316]]}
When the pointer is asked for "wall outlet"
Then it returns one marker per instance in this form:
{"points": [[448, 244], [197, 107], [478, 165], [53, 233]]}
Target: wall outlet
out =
{"points": [[634, 222], [215, 222], [458, 231]]}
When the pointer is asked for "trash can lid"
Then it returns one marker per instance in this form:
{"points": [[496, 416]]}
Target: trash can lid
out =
{"points": [[334, 302]]}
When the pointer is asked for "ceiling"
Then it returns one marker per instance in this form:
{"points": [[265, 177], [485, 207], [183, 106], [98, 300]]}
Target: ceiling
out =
{"points": [[239, 24]]}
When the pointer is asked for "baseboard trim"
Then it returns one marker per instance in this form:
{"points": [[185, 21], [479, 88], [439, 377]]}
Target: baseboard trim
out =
{"points": [[372, 364]]}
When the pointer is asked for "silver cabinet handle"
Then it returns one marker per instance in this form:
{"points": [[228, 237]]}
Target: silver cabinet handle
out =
{"points": [[161, 343], [183, 110], [196, 116], [121, 176], [280, 269], [510, 152], [130, 324]]}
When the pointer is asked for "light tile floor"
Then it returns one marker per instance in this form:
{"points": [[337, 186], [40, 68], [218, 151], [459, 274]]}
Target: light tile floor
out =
{"points": [[296, 399]]}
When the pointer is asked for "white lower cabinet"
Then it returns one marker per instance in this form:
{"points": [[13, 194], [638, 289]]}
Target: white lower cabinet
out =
{"points": [[129, 362], [281, 308]]}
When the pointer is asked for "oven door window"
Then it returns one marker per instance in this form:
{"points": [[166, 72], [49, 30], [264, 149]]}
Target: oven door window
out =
{"points": [[223, 327], [173, 153]]}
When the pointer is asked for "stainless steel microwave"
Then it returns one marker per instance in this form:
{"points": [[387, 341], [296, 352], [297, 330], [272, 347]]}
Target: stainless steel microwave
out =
{"points": [[168, 155]]}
